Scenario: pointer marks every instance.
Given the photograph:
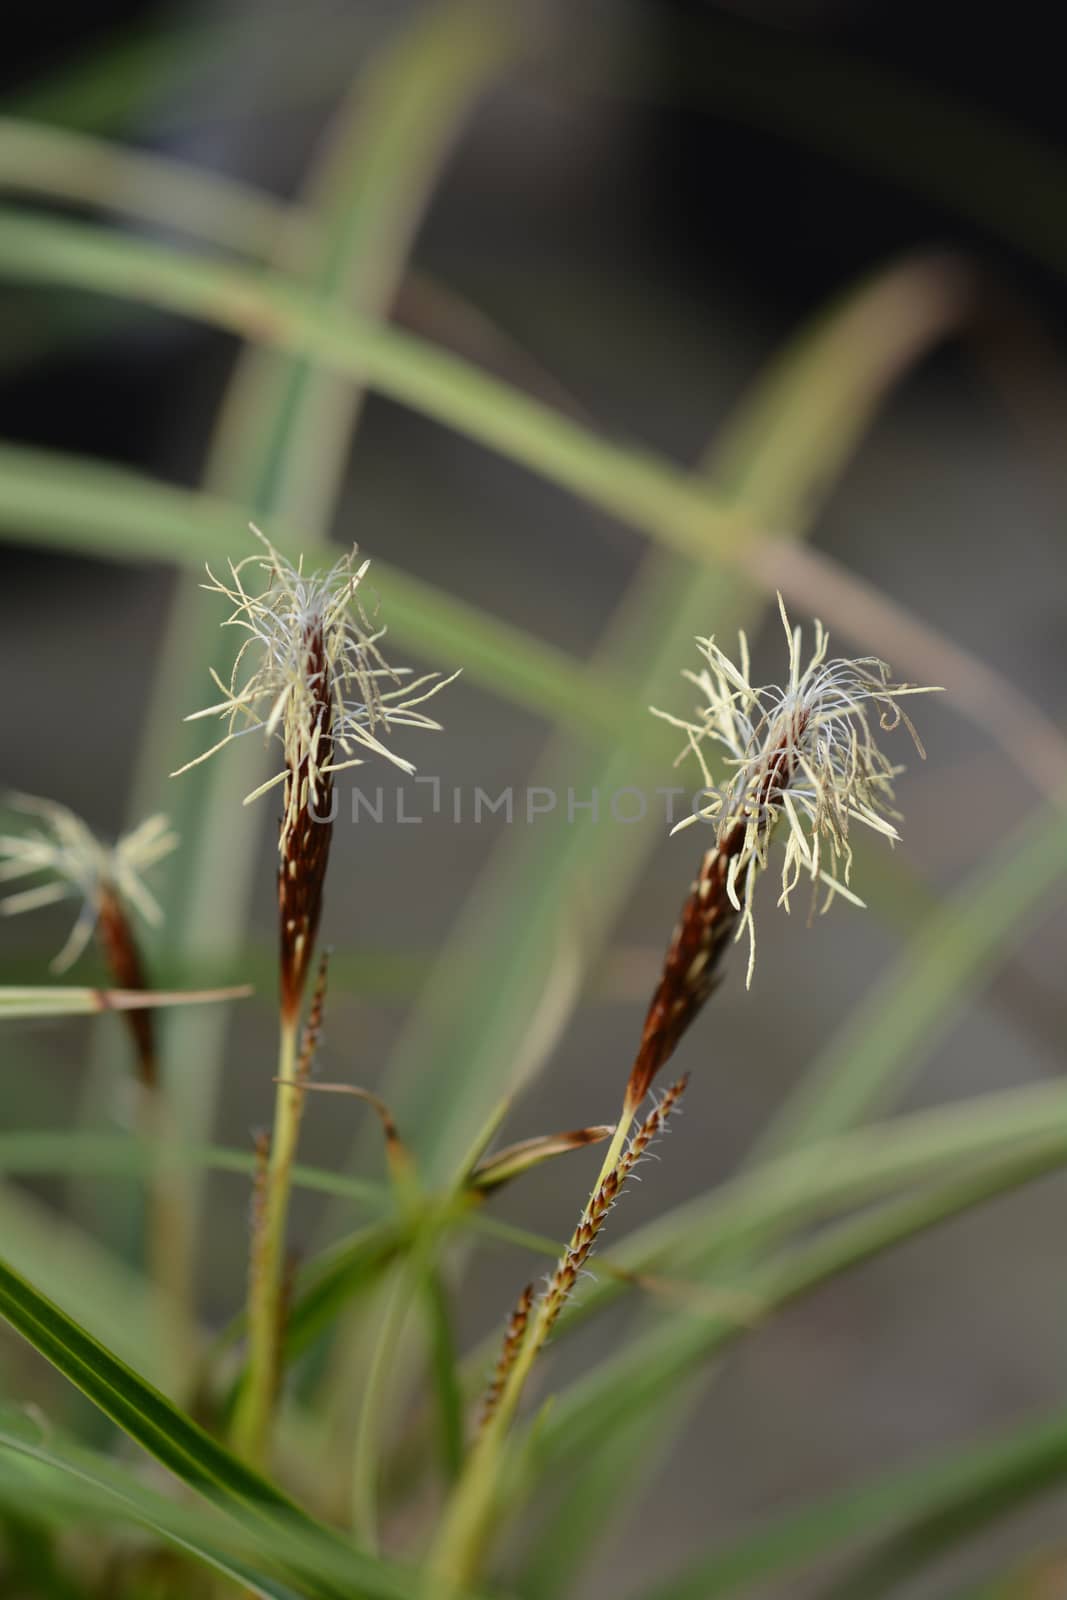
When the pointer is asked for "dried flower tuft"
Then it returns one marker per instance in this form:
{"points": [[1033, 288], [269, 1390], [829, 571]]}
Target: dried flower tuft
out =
{"points": [[310, 673], [804, 754], [106, 876]]}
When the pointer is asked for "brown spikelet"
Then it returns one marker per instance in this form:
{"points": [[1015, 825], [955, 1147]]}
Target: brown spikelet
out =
{"points": [[708, 921], [115, 936], [306, 831], [689, 972], [513, 1337], [600, 1203]]}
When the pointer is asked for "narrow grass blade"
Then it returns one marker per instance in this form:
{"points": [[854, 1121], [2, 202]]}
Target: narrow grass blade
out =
{"points": [[285, 427], [1002, 1480], [49, 1152], [351, 1267], [37, 159], [164, 1431], [106, 1295], [758, 1208], [515, 1159], [633, 485], [936, 1501], [914, 303], [70, 1484], [78, 505], [583, 1416], [882, 1040], [743, 1217], [445, 1370], [131, 1403], [45, 1490], [636, 486], [57, 1001], [589, 1502]]}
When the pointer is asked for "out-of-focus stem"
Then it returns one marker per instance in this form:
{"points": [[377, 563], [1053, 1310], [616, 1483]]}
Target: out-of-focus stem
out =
{"points": [[168, 1241], [368, 1430], [266, 1278], [168, 1234]]}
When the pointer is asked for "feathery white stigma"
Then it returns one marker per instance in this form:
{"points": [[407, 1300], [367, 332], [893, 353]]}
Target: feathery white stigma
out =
{"points": [[805, 753], [315, 666], [80, 864]]}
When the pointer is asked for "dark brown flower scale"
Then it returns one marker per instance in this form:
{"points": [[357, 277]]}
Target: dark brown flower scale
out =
{"points": [[305, 840], [689, 972], [120, 951], [707, 923], [513, 1337]]}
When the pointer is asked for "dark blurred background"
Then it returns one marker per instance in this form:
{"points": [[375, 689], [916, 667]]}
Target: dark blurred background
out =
{"points": [[647, 208]]}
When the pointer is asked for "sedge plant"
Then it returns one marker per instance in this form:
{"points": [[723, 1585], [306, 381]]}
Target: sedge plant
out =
{"points": [[59, 848], [310, 673], [802, 761]]}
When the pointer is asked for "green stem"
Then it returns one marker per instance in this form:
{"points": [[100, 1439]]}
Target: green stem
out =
{"points": [[461, 1541], [614, 1151], [265, 1310], [168, 1241], [365, 1468]]}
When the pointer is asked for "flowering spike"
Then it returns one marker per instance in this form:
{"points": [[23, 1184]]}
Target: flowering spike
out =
{"points": [[108, 879], [533, 1320], [310, 673], [803, 756], [805, 753], [105, 876]]}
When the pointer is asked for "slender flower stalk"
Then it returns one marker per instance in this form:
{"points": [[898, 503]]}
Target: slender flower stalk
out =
{"points": [[519, 1352], [462, 1538], [311, 674], [108, 878], [801, 760]]}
